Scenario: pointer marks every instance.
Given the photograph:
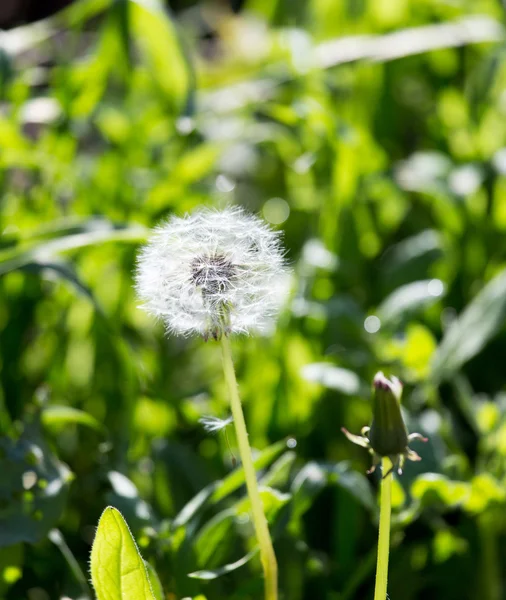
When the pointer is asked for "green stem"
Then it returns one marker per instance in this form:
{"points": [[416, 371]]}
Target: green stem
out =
{"points": [[491, 583], [267, 555], [380, 592], [58, 540]]}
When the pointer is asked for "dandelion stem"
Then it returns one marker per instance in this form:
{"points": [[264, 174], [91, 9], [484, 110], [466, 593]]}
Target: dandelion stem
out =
{"points": [[267, 555], [380, 592]]}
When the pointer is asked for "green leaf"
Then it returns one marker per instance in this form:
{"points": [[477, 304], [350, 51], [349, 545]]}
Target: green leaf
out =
{"points": [[65, 271], [485, 490], [79, 12], [33, 487], [308, 483], [413, 255], [279, 473], [218, 538], [157, 38], [272, 501], [473, 329], [215, 538], [421, 172], [433, 488], [125, 497], [335, 378], [197, 163], [211, 539], [207, 574], [11, 566], [229, 484], [193, 506], [117, 569], [314, 477], [60, 416], [102, 232], [58, 540], [408, 299], [156, 586], [447, 544], [219, 490], [355, 483]]}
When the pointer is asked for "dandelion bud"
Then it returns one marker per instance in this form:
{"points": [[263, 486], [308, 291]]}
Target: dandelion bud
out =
{"points": [[213, 273], [387, 436]]}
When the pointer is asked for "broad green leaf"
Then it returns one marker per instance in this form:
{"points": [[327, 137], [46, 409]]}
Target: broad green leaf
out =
{"points": [[215, 539], [60, 416], [414, 350], [117, 569], [485, 490], [447, 544], [472, 330], [408, 299], [433, 488]]}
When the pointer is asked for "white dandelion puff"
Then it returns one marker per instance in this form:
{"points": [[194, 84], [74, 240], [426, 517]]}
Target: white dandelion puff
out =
{"points": [[215, 424], [213, 273]]}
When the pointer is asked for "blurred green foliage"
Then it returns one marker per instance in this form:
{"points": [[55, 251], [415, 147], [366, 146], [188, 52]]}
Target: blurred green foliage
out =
{"points": [[373, 133]]}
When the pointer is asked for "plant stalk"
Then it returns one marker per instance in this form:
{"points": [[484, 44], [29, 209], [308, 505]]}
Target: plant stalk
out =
{"points": [[380, 591], [267, 556], [491, 572]]}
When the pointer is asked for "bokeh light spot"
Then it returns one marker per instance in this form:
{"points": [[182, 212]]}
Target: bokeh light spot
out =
{"points": [[372, 324], [276, 211]]}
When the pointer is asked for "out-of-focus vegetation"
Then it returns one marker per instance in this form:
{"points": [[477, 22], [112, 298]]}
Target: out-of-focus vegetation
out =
{"points": [[373, 133]]}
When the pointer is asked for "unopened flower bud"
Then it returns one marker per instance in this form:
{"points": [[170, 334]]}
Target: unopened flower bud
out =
{"points": [[387, 435]]}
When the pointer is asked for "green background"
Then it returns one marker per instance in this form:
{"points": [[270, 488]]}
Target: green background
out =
{"points": [[372, 133]]}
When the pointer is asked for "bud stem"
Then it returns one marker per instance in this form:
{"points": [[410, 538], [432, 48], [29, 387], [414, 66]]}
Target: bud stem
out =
{"points": [[267, 555], [380, 592]]}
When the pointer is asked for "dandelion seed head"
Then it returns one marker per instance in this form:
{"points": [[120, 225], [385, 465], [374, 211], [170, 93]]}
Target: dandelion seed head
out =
{"points": [[213, 272]]}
